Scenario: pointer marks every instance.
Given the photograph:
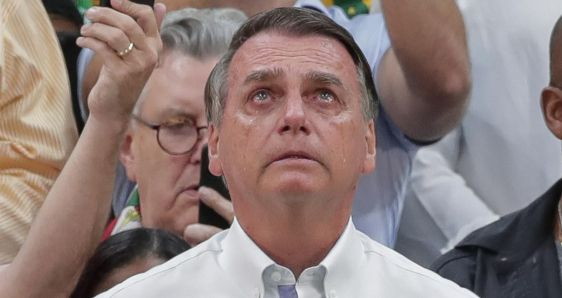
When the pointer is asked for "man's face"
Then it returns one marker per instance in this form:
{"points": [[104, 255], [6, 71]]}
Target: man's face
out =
{"points": [[168, 183], [292, 129]]}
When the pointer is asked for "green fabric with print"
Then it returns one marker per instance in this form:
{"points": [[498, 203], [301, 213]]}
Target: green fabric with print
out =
{"points": [[351, 7], [134, 199]]}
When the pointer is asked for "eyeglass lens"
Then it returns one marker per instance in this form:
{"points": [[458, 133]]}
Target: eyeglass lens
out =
{"points": [[177, 138]]}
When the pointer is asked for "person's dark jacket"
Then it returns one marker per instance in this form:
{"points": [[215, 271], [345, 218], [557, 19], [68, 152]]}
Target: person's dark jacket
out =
{"points": [[512, 257]]}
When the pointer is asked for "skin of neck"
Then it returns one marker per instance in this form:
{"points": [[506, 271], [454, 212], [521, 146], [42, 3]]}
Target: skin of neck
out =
{"points": [[296, 235]]}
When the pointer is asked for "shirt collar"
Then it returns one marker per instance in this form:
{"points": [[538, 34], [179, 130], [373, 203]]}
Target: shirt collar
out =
{"points": [[242, 255], [343, 261], [533, 223]]}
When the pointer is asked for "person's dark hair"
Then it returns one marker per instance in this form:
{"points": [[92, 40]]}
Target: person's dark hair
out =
{"points": [[556, 55], [294, 22], [66, 9], [124, 248]]}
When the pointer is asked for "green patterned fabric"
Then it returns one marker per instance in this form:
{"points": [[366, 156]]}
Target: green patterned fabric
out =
{"points": [[130, 217], [134, 199], [351, 7]]}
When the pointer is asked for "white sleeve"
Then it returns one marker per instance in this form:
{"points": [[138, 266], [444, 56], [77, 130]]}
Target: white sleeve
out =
{"points": [[453, 205]]}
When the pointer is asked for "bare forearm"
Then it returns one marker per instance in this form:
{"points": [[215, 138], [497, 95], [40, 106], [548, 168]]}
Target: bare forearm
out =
{"points": [[429, 40], [424, 79], [70, 222]]}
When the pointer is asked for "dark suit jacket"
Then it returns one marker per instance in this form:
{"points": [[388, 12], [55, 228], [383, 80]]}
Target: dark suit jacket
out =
{"points": [[512, 257]]}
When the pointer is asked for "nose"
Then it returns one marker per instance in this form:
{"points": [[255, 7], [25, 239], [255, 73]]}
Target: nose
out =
{"points": [[294, 117], [198, 150]]}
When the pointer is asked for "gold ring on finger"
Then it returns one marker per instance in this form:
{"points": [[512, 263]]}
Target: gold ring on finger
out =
{"points": [[126, 51]]}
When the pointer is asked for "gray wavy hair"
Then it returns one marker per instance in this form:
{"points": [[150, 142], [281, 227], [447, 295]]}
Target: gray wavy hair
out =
{"points": [[198, 33]]}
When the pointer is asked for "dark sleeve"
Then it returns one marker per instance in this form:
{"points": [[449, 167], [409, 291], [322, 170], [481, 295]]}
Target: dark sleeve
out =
{"points": [[458, 266]]}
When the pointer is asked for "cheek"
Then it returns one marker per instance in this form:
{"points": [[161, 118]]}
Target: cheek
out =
{"points": [[160, 172], [162, 176], [348, 144], [234, 149], [149, 157], [241, 138]]}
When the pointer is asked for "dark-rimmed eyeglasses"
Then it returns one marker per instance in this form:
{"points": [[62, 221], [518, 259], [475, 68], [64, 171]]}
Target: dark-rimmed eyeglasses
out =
{"points": [[175, 137]]}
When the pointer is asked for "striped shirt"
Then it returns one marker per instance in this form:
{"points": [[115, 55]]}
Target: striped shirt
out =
{"points": [[37, 131]]}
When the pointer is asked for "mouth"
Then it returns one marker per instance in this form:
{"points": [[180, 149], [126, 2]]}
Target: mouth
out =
{"points": [[190, 190], [294, 156]]}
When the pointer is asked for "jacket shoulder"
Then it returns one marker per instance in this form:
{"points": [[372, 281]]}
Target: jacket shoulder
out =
{"points": [[458, 265]]}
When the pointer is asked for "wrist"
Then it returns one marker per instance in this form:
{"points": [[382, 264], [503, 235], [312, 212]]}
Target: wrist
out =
{"points": [[111, 127]]}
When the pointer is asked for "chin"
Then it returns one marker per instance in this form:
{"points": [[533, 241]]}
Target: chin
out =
{"points": [[297, 188]]}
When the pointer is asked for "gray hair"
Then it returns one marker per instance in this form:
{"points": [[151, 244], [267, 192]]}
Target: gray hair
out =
{"points": [[198, 33], [295, 22]]}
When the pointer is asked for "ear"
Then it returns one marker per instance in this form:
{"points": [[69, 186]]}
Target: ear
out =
{"points": [[214, 149], [551, 104], [127, 156], [370, 143]]}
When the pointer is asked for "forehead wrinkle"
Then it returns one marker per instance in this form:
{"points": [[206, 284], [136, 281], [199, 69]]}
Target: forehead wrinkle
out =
{"points": [[173, 109], [279, 52]]}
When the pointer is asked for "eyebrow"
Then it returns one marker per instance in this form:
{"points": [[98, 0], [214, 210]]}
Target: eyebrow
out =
{"points": [[323, 78], [169, 112], [264, 75], [320, 77]]}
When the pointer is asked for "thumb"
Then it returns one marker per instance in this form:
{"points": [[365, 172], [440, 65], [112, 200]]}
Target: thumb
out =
{"points": [[159, 12], [197, 233]]}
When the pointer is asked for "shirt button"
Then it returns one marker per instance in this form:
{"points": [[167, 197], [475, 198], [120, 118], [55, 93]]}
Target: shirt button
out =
{"points": [[276, 276]]}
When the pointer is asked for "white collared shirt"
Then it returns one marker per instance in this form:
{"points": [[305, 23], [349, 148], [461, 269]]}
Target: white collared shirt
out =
{"points": [[231, 265]]}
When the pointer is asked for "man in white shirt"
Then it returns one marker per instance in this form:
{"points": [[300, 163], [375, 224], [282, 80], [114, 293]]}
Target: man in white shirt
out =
{"points": [[291, 134], [502, 156], [419, 60]]}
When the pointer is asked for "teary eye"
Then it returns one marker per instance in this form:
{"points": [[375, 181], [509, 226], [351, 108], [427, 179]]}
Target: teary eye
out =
{"points": [[260, 95], [326, 95]]}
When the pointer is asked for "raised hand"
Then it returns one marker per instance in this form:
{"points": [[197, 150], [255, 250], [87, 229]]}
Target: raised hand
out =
{"points": [[128, 41]]}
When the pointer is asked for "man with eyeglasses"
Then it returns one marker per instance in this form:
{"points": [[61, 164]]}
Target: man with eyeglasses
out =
{"points": [[162, 148]]}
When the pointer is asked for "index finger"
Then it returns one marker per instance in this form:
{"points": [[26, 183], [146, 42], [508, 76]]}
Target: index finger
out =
{"points": [[217, 202], [159, 12], [143, 15]]}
